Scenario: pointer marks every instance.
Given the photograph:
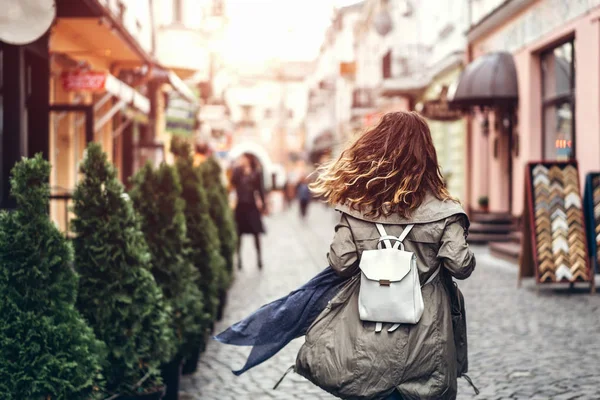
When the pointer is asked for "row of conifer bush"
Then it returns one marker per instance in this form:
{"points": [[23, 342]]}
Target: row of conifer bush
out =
{"points": [[134, 294]]}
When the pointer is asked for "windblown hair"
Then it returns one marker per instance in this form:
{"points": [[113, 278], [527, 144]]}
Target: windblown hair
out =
{"points": [[388, 169]]}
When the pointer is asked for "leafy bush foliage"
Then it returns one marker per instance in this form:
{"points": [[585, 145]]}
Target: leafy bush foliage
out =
{"points": [[47, 351], [201, 230], [220, 212], [117, 292], [157, 197]]}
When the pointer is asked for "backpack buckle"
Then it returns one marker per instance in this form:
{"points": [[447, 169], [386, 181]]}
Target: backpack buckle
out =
{"points": [[384, 282]]}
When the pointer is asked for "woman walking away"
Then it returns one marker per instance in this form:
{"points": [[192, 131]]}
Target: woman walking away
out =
{"points": [[391, 195], [248, 184]]}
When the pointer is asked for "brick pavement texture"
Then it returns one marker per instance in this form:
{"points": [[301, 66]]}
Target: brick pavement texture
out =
{"points": [[522, 344]]}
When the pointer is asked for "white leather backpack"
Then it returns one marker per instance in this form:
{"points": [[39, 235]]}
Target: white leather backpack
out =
{"points": [[390, 290]]}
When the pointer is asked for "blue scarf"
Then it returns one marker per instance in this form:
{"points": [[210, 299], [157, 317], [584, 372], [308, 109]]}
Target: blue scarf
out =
{"points": [[274, 325]]}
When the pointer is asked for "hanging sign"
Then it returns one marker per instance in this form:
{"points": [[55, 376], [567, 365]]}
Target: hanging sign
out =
{"points": [[438, 109], [181, 115], [88, 81]]}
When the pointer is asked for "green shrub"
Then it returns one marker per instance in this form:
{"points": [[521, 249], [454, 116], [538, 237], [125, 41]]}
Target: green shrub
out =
{"points": [[117, 292], [201, 230], [157, 197], [47, 351], [220, 212]]}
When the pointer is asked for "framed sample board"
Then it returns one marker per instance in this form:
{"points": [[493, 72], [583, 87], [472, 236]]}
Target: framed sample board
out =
{"points": [[554, 247], [591, 205]]}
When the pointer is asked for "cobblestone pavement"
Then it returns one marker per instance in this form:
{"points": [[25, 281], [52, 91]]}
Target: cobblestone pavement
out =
{"points": [[522, 344]]}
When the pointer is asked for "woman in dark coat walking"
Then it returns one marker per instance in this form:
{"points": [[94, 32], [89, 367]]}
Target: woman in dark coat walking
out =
{"points": [[248, 183]]}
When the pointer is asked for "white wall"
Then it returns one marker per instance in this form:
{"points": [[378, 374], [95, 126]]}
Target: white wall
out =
{"points": [[481, 8], [265, 94], [446, 23], [182, 44], [334, 104], [193, 12], [136, 19]]}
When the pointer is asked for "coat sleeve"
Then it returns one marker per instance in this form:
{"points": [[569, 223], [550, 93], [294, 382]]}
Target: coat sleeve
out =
{"points": [[454, 251], [343, 253]]}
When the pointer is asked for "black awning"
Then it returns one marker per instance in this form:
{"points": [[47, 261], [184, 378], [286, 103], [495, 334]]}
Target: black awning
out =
{"points": [[490, 80]]}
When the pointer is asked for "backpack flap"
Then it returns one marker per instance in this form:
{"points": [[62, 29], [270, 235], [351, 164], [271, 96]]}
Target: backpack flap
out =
{"points": [[386, 265]]}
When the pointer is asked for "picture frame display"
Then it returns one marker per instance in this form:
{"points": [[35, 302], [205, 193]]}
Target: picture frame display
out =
{"points": [[554, 247]]}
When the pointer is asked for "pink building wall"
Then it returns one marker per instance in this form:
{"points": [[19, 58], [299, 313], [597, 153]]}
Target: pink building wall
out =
{"points": [[488, 176]]}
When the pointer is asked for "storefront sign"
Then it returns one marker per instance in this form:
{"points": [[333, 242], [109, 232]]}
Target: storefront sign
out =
{"points": [[542, 18], [181, 115], [89, 81], [438, 109]]}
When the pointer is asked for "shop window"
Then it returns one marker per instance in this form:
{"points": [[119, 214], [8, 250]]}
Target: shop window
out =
{"points": [[558, 102]]}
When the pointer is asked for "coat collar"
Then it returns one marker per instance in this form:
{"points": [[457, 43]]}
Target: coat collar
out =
{"points": [[432, 209]]}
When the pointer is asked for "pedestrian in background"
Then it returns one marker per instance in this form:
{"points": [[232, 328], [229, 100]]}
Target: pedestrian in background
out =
{"points": [[247, 180], [304, 196], [390, 176]]}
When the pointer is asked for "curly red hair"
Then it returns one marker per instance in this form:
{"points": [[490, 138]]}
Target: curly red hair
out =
{"points": [[388, 169]]}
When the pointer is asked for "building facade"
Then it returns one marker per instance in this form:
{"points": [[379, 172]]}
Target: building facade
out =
{"points": [[555, 49], [267, 112], [405, 56], [332, 86], [94, 76]]}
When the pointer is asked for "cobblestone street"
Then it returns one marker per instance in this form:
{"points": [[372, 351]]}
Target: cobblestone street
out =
{"points": [[522, 345]]}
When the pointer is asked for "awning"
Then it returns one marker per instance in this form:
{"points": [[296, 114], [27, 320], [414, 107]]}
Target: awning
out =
{"points": [[490, 80], [127, 94], [100, 81], [163, 75], [182, 88]]}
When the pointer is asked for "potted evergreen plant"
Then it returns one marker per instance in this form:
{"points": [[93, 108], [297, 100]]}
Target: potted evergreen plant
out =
{"points": [[484, 203], [157, 197], [222, 216], [117, 292], [47, 351], [202, 232]]}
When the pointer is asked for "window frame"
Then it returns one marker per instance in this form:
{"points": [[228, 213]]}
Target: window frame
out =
{"points": [[557, 99]]}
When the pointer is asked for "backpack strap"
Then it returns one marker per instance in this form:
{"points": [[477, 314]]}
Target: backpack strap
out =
{"points": [[397, 240], [384, 235]]}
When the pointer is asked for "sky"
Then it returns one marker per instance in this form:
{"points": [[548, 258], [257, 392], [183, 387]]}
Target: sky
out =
{"points": [[287, 29]]}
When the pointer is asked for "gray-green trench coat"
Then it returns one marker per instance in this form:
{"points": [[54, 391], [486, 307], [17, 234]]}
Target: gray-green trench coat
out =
{"points": [[346, 357]]}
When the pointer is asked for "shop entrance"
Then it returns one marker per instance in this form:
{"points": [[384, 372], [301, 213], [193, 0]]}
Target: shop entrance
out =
{"points": [[503, 148]]}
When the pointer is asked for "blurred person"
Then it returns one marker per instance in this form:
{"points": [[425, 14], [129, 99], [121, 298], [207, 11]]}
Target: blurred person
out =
{"points": [[304, 196], [288, 193], [390, 176], [247, 181]]}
